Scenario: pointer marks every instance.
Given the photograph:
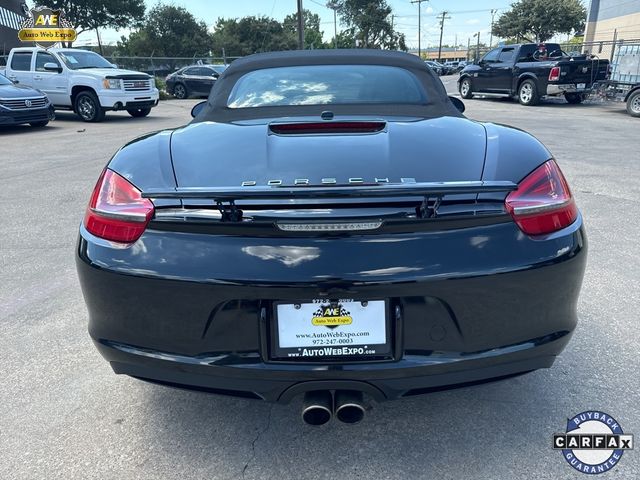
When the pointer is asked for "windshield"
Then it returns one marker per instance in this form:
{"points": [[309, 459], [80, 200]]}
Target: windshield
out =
{"points": [[326, 84], [77, 59], [4, 80]]}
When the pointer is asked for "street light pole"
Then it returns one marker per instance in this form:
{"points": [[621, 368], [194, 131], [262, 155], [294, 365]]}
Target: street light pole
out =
{"points": [[300, 26], [419, 2]]}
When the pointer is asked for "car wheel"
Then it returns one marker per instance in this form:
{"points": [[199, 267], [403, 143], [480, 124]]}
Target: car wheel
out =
{"points": [[528, 93], [466, 90], [44, 123], [139, 112], [88, 107], [180, 91], [573, 98], [633, 104]]}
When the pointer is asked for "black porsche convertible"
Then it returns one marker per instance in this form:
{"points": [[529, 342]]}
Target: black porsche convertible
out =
{"points": [[313, 233]]}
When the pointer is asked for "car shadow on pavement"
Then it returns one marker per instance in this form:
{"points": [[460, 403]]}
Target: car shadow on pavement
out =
{"points": [[25, 129], [110, 117], [462, 433]]}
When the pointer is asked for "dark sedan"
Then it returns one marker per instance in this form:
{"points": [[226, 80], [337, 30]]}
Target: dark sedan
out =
{"points": [[196, 80], [20, 104], [313, 233]]}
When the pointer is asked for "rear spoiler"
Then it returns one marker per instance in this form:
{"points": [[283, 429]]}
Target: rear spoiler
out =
{"points": [[225, 197]]}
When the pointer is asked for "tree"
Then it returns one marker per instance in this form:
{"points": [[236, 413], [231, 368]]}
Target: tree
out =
{"points": [[312, 32], [540, 20], [370, 24], [168, 31], [95, 14], [247, 35]]}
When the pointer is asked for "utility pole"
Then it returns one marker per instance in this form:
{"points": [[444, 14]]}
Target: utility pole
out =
{"points": [[493, 15], [419, 2], [300, 26], [333, 5], [468, 46], [478, 46], [443, 17], [392, 29]]}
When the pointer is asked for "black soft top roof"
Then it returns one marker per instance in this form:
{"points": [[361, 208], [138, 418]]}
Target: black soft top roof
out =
{"points": [[436, 105]]}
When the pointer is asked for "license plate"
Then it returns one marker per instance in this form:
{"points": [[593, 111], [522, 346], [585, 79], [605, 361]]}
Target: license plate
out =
{"points": [[331, 329], [581, 86]]}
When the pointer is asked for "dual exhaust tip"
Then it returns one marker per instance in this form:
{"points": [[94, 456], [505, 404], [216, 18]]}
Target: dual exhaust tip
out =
{"points": [[320, 405]]}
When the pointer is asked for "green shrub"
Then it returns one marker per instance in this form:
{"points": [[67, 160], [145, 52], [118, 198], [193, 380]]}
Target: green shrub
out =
{"points": [[162, 87]]}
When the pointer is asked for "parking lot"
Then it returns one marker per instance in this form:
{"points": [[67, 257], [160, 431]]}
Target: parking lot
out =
{"points": [[66, 415]]}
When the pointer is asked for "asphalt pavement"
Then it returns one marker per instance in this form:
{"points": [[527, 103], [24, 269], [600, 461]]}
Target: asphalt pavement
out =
{"points": [[66, 415]]}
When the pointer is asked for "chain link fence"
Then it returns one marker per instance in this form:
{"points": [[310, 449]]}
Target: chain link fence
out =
{"points": [[162, 66], [156, 66]]}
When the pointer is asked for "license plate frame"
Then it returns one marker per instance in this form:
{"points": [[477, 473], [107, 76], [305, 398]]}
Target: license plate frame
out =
{"points": [[357, 351]]}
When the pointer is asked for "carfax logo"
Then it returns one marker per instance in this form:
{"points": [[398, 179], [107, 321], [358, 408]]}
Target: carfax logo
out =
{"points": [[46, 27], [593, 443]]}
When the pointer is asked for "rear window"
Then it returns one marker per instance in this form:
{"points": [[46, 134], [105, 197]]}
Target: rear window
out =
{"points": [[326, 84]]}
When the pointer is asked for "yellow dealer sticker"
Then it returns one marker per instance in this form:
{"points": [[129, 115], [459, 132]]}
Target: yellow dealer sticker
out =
{"points": [[331, 321], [47, 27]]}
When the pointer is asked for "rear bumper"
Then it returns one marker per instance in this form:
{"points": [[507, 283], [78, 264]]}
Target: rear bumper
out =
{"points": [[554, 89], [476, 304], [414, 374]]}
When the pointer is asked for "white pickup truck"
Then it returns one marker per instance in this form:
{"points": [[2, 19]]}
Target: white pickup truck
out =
{"points": [[82, 81]]}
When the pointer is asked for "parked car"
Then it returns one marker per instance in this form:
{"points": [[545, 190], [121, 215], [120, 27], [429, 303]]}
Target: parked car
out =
{"points": [[82, 81], [331, 225], [20, 104], [436, 66], [530, 72], [452, 67], [195, 80]]}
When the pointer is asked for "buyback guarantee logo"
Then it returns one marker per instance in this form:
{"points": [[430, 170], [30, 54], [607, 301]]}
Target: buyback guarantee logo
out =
{"points": [[593, 443], [46, 27]]}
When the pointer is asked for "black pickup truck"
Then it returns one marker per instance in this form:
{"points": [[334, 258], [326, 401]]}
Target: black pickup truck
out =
{"points": [[531, 71]]}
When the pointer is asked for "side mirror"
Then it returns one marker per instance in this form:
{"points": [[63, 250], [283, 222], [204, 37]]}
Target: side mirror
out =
{"points": [[115, 65], [459, 104], [198, 107], [52, 67]]}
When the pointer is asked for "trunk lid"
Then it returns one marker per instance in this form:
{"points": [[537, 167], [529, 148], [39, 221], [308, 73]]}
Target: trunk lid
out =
{"points": [[444, 149]]}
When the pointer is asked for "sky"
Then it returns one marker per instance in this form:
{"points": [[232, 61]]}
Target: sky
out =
{"points": [[467, 17]]}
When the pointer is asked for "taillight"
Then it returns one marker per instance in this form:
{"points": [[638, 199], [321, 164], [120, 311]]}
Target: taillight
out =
{"points": [[543, 202], [117, 210], [554, 74]]}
